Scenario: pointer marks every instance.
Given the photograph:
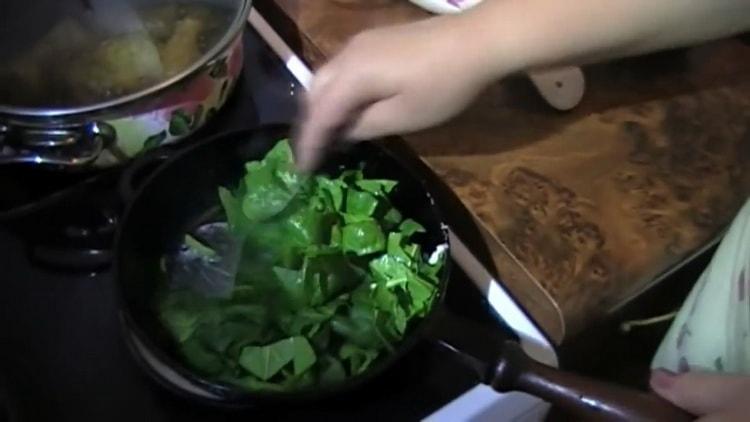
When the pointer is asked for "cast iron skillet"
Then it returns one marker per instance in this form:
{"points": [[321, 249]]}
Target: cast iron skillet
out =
{"points": [[171, 202]]}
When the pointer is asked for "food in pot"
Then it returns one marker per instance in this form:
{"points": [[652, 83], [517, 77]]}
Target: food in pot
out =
{"points": [[182, 48], [78, 63], [310, 281], [116, 66]]}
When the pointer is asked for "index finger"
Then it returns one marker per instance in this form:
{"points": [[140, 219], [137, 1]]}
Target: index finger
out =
{"points": [[334, 105]]}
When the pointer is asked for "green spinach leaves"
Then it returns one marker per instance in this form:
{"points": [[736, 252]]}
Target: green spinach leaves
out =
{"points": [[329, 281]]}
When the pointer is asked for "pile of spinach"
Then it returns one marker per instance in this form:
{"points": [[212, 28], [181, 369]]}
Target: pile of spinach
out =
{"points": [[328, 282]]}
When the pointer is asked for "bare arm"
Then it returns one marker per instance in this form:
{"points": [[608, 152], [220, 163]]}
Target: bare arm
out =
{"points": [[525, 34], [409, 77]]}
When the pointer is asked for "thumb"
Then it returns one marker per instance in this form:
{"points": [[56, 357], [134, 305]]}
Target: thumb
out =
{"points": [[700, 393]]}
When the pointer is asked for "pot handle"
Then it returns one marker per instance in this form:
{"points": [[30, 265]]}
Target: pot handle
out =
{"points": [[68, 147], [77, 248], [578, 395]]}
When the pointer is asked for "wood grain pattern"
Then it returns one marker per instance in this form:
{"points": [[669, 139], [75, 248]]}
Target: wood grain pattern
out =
{"points": [[593, 204], [601, 207]]}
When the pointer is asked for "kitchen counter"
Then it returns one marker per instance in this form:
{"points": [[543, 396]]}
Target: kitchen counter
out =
{"points": [[582, 210]]}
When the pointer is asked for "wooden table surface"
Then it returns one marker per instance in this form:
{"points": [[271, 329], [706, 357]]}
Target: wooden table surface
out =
{"points": [[582, 210]]}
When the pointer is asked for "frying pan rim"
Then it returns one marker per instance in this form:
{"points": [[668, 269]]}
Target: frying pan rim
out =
{"points": [[233, 396]]}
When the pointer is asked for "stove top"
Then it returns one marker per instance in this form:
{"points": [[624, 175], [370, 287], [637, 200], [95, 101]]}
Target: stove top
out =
{"points": [[63, 356]]}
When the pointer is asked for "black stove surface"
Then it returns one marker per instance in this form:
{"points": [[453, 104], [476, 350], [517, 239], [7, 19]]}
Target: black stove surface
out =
{"points": [[62, 353]]}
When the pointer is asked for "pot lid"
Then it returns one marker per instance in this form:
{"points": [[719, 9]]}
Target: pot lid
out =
{"points": [[63, 56]]}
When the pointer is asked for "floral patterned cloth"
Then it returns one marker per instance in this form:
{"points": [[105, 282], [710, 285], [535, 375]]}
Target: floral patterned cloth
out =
{"points": [[711, 330]]}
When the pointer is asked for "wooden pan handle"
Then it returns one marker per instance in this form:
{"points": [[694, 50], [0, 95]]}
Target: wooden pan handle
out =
{"points": [[578, 395]]}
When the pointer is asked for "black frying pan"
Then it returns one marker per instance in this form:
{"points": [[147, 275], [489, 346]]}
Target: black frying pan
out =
{"points": [[171, 202]]}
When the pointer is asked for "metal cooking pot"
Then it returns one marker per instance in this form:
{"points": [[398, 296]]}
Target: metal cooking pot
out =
{"points": [[92, 83]]}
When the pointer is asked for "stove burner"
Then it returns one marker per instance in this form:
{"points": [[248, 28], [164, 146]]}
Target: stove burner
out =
{"points": [[73, 231]]}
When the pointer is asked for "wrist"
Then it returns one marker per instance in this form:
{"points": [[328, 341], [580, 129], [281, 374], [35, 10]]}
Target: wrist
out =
{"points": [[492, 45]]}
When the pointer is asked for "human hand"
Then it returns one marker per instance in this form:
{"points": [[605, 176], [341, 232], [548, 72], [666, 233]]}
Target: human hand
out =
{"points": [[711, 397], [392, 80]]}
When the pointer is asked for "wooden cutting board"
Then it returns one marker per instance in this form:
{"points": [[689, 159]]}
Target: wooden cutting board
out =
{"points": [[582, 210]]}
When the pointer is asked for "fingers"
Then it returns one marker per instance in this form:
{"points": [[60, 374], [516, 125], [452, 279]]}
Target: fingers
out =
{"points": [[324, 110], [701, 393], [338, 95]]}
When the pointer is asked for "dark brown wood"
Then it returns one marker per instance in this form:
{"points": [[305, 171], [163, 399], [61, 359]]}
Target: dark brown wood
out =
{"points": [[581, 397], [583, 210]]}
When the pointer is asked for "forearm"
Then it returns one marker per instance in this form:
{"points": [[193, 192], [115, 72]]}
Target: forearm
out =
{"points": [[519, 35]]}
